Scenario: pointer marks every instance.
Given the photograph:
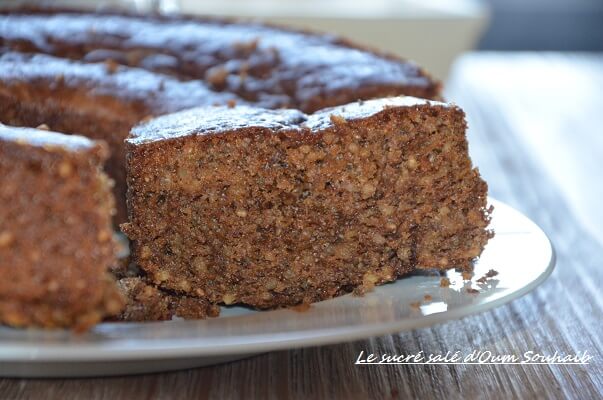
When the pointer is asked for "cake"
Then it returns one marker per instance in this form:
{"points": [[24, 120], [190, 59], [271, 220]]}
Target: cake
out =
{"points": [[273, 208], [281, 189], [56, 236]]}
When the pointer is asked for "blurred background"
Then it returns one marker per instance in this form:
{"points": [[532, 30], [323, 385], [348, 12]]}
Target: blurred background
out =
{"points": [[529, 70]]}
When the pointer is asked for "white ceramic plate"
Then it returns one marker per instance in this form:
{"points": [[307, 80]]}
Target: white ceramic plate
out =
{"points": [[520, 253]]}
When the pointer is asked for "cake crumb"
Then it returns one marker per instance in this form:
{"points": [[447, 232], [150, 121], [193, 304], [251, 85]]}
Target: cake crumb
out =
{"points": [[302, 307], [415, 304], [444, 282], [247, 47], [467, 275], [427, 297], [231, 103], [368, 190], [217, 76], [228, 299], [43, 127], [472, 291], [65, 169], [103, 236], [244, 71], [412, 164], [491, 273]]}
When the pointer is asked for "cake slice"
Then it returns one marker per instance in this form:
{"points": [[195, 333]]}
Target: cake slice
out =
{"points": [[56, 237], [275, 207]]}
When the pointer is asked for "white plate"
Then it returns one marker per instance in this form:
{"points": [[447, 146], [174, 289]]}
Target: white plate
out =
{"points": [[520, 252]]}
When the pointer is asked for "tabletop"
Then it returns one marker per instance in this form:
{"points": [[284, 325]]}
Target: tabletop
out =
{"points": [[536, 134]]}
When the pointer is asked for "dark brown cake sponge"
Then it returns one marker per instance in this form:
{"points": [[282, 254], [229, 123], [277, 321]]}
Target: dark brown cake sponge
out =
{"points": [[274, 207]]}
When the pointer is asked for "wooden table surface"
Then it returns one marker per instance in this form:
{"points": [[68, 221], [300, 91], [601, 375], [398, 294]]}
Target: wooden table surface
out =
{"points": [[536, 134]]}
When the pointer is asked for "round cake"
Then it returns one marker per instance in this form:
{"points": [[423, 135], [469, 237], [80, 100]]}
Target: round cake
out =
{"points": [[284, 183]]}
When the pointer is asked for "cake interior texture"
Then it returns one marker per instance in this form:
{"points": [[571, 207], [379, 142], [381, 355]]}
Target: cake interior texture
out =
{"points": [[276, 208], [56, 236]]}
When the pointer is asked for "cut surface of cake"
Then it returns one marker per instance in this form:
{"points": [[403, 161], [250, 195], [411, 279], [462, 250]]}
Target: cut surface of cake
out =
{"points": [[56, 236], [275, 207]]}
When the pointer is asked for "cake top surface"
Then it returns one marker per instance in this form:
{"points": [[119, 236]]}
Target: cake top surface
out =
{"points": [[44, 139], [159, 93], [322, 119], [204, 121], [258, 62]]}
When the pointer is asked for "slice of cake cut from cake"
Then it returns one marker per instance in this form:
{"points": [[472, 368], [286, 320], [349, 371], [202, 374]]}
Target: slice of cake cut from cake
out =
{"points": [[56, 237], [275, 207]]}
